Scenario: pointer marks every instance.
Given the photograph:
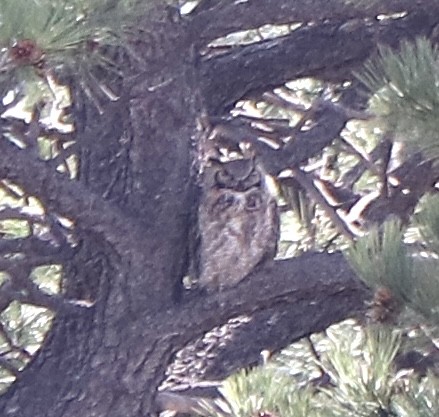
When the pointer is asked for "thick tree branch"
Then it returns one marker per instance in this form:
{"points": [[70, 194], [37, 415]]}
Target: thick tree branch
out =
{"points": [[282, 302], [36, 248], [227, 16], [329, 51], [69, 198], [315, 290], [21, 287], [294, 144]]}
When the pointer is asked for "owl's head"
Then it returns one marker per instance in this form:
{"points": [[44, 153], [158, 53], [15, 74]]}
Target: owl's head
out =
{"points": [[239, 174]]}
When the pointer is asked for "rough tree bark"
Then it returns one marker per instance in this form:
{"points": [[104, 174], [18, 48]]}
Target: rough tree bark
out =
{"points": [[135, 199]]}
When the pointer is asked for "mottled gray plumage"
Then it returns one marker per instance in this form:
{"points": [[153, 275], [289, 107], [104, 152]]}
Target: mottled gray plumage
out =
{"points": [[238, 223]]}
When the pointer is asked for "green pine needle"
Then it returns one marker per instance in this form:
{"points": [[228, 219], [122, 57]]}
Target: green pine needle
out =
{"points": [[380, 258], [428, 222], [363, 383], [55, 26], [266, 390], [66, 33], [405, 84], [421, 398], [49, 38]]}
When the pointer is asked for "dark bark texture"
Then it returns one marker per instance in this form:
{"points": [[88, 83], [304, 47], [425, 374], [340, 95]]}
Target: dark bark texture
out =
{"points": [[134, 203]]}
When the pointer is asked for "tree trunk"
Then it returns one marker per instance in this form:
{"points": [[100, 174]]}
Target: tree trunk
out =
{"points": [[107, 359]]}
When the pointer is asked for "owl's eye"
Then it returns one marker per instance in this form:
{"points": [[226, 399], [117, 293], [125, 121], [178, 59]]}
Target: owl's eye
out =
{"points": [[253, 201], [253, 179], [223, 179]]}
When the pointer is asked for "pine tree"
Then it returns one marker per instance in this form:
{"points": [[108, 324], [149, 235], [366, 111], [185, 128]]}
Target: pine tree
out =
{"points": [[382, 365]]}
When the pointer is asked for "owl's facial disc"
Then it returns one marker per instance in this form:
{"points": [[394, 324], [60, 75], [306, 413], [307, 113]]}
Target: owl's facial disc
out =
{"points": [[238, 175]]}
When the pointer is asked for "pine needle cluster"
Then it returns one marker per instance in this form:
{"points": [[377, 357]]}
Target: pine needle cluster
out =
{"points": [[49, 39], [359, 377], [406, 87]]}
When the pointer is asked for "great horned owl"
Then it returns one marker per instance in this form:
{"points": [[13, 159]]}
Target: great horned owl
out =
{"points": [[238, 223]]}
